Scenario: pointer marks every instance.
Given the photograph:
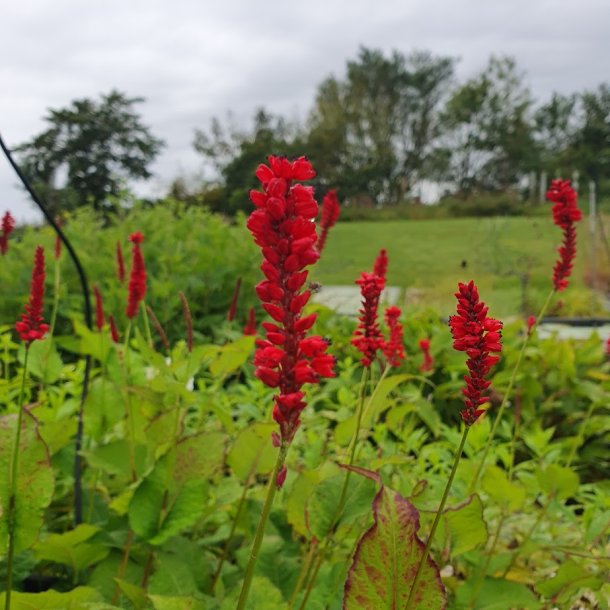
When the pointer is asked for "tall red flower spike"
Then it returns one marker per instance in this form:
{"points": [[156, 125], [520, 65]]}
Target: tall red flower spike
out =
{"points": [[329, 217], [99, 308], [8, 226], [250, 327], [282, 226], [233, 306], [393, 348], [479, 336], [565, 214], [31, 326], [137, 280], [428, 361], [120, 263], [114, 331], [367, 337], [381, 264]]}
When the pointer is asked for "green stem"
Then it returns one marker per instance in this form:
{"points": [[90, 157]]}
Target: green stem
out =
{"points": [[303, 573], [146, 324], [260, 530], [314, 575], [506, 396], [12, 485], [56, 283], [437, 518], [130, 422]]}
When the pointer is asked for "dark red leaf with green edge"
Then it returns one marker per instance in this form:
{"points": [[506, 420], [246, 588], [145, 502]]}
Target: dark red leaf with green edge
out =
{"points": [[387, 557]]}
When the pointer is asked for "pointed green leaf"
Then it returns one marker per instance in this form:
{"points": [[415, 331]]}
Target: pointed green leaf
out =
{"points": [[136, 595], [387, 557], [77, 599], [253, 452], [467, 528], [35, 481], [507, 493], [558, 480], [161, 602]]}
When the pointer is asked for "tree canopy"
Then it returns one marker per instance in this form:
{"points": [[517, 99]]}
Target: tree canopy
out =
{"points": [[89, 150]]}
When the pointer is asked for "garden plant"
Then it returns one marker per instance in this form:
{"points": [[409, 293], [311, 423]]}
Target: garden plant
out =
{"points": [[243, 447]]}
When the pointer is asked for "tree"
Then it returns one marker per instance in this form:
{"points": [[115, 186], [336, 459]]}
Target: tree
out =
{"points": [[235, 154], [375, 132], [97, 145], [489, 129]]}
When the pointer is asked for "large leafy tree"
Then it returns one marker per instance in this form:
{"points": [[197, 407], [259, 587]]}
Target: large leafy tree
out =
{"points": [[489, 130], [374, 132], [90, 149]]}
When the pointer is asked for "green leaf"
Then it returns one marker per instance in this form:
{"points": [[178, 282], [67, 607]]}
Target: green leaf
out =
{"points": [[44, 361], [35, 481], [53, 600], [161, 602], [558, 480], [508, 494], [570, 577], [495, 594], [252, 452], [324, 502], [386, 559], [146, 505], [200, 456], [175, 576], [263, 596], [185, 511], [231, 357], [467, 528], [71, 549], [136, 595]]}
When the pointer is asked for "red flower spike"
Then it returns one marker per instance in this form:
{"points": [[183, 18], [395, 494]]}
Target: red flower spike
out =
{"points": [[393, 348], [250, 327], [477, 335], [31, 326], [8, 226], [367, 337], [381, 264], [282, 227], [99, 308], [120, 263], [114, 331], [281, 476], [329, 216], [233, 305], [137, 280], [428, 362], [565, 215], [531, 321]]}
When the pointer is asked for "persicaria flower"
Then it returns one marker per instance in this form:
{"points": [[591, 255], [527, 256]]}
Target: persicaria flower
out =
{"points": [[114, 331], [8, 226], [137, 280], [31, 326], [428, 361], [99, 308], [250, 327], [479, 336], [329, 216], [381, 264], [367, 336], [120, 263], [282, 226], [531, 322], [233, 305], [393, 348], [565, 214]]}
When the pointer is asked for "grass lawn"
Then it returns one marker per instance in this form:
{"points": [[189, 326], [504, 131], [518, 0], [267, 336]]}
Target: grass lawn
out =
{"points": [[427, 258]]}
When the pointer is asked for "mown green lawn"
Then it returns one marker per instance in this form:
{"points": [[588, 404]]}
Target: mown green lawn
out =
{"points": [[429, 257]]}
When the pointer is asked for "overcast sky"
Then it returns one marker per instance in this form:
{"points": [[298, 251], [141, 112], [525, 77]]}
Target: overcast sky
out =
{"points": [[193, 59]]}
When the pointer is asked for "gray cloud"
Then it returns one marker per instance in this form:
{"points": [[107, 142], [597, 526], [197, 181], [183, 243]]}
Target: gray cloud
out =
{"points": [[194, 59]]}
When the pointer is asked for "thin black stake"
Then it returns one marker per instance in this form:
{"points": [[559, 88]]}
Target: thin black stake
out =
{"points": [[78, 469]]}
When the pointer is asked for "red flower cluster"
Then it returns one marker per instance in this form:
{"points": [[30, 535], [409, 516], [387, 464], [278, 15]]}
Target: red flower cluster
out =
{"points": [[381, 264], [282, 226], [99, 308], [329, 216], [8, 226], [565, 214], [233, 306], [250, 327], [368, 337], [393, 348], [137, 280], [120, 263], [114, 331], [479, 336], [428, 361], [31, 326]]}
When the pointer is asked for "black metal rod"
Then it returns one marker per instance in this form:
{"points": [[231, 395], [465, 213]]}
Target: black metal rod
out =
{"points": [[78, 468]]}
